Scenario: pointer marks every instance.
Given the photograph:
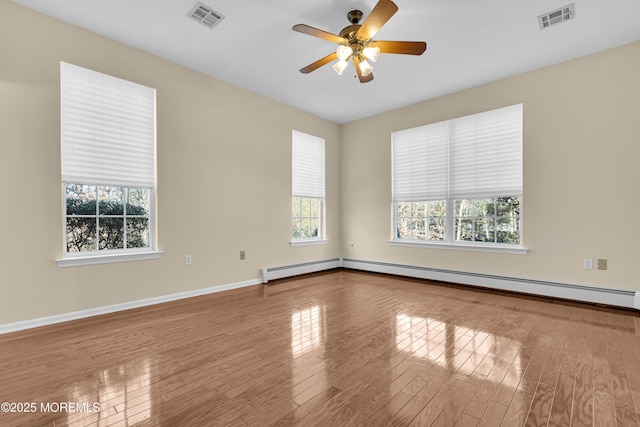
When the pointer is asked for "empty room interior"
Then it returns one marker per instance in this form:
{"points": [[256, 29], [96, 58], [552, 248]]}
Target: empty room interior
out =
{"points": [[214, 217]]}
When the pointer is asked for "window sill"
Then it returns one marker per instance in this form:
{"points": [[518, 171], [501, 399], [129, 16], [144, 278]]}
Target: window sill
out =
{"points": [[78, 260], [308, 242], [515, 249]]}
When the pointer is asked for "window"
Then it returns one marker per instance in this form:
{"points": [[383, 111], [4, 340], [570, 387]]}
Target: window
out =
{"points": [[102, 218], [460, 181], [307, 199], [108, 163], [306, 217], [421, 220]]}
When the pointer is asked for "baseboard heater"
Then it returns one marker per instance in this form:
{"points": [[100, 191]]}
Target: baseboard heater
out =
{"points": [[598, 295], [297, 269]]}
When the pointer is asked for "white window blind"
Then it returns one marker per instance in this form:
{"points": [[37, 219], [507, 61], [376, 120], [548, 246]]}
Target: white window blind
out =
{"points": [[420, 163], [307, 166], [469, 157], [486, 154], [107, 129]]}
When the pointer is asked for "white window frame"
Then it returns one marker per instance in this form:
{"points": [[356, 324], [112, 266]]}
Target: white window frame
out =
{"points": [[319, 217], [431, 139], [451, 243], [95, 146], [308, 180]]}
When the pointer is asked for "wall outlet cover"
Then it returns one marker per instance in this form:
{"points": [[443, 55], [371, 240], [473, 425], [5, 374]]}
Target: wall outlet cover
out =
{"points": [[602, 264]]}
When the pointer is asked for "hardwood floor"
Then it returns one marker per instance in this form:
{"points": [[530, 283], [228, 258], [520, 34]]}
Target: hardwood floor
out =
{"points": [[333, 349]]}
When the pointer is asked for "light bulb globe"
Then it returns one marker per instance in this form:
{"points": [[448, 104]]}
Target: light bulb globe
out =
{"points": [[371, 53], [365, 68], [340, 66], [343, 52]]}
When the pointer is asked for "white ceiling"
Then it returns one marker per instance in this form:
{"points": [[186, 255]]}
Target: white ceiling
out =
{"points": [[470, 42]]}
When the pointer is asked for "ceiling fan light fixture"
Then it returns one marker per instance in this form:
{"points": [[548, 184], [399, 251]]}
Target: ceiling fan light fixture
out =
{"points": [[340, 66], [355, 42], [344, 52], [371, 53], [365, 68]]}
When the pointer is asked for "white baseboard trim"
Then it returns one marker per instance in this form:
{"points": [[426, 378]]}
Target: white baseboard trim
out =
{"points": [[66, 317], [613, 297], [297, 269]]}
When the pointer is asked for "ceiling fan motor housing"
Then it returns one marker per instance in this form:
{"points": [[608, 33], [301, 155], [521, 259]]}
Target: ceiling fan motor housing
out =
{"points": [[354, 16]]}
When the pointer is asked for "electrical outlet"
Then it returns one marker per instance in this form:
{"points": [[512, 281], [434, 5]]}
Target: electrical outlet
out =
{"points": [[242, 255], [350, 245], [187, 260], [587, 264], [602, 264]]}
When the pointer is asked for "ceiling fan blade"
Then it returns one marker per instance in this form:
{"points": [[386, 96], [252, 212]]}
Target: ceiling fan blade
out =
{"points": [[380, 14], [319, 63], [305, 29], [405, 48], [363, 79]]}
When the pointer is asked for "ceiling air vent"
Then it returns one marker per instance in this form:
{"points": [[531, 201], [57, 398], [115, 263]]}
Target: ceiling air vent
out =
{"points": [[205, 15], [557, 16]]}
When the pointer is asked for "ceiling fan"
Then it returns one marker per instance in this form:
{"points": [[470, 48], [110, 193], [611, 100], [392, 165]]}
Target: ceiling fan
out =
{"points": [[355, 42]]}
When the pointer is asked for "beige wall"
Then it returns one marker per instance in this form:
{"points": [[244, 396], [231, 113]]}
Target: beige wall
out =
{"points": [[581, 173], [224, 175]]}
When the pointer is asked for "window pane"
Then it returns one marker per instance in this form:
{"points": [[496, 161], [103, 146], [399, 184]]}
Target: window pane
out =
{"points": [[404, 209], [315, 208], [111, 233], [418, 209], [110, 201], [437, 228], [464, 229], [418, 228], [137, 232], [81, 199], [464, 207], [484, 207], [313, 229], [295, 206], [508, 230], [404, 228], [305, 225], [438, 208], [81, 234], [296, 229], [306, 207], [484, 230], [508, 206], [138, 201]]}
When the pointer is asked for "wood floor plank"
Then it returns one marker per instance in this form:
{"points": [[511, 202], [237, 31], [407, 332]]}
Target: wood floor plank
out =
{"points": [[622, 396], [518, 409], [456, 406], [339, 348], [295, 416], [383, 416], [562, 404], [467, 421], [421, 398], [604, 413], [493, 415], [540, 406], [583, 393], [434, 408]]}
